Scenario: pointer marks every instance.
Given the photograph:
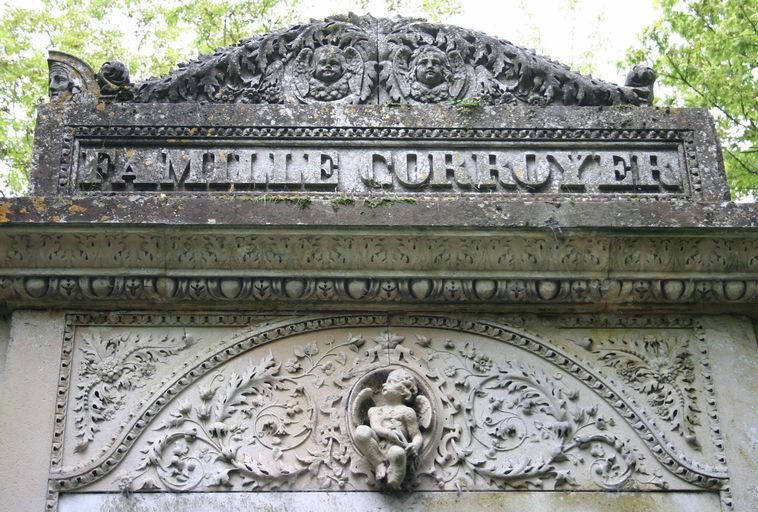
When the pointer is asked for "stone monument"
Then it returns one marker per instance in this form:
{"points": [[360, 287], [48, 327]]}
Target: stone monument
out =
{"points": [[375, 263]]}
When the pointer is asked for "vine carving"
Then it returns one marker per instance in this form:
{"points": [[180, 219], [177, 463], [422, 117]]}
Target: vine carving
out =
{"points": [[360, 59], [110, 369], [463, 418], [662, 370]]}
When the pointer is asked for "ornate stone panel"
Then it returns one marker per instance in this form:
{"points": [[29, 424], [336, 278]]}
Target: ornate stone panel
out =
{"points": [[207, 403]]}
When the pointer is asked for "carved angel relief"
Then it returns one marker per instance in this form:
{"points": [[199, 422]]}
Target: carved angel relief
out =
{"points": [[388, 428], [427, 75], [328, 74], [415, 409], [335, 60]]}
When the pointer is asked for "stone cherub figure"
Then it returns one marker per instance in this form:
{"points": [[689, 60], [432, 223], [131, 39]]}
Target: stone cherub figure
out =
{"points": [[328, 74], [392, 440], [429, 75]]}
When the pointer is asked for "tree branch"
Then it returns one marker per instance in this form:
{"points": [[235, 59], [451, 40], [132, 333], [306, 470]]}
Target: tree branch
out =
{"points": [[686, 82], [747, 18], [742, 164]]}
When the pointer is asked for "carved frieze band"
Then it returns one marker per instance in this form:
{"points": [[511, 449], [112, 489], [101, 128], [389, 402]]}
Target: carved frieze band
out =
{"points": [[196, 290], [227, 251], [475, 418], [514, 160], [301, 268]]}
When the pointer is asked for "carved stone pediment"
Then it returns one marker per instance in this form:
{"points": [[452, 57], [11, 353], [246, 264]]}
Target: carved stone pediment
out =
{"points": [[364, 60]]}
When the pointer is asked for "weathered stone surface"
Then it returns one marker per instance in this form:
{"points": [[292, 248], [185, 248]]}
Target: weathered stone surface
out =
{"points": [[417, 502], [414, 266], [441, 150], [148, 403], [28, 402], [737, 408], [360, 60], [331, 268]]}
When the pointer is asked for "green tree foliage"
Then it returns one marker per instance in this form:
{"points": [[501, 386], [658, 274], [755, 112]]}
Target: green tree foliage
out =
{"points": [[150, 37], [705, 53]]}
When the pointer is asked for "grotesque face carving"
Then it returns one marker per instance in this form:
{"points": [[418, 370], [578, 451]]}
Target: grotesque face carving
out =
{"points": [[60, 82], [430, 66], [329, 64]]}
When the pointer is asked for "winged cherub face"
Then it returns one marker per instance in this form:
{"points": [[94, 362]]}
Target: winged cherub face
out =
{"points": [[328, 64], [430, 66]]}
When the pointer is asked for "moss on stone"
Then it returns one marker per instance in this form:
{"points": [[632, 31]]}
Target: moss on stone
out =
{"points": [[380, 201]]}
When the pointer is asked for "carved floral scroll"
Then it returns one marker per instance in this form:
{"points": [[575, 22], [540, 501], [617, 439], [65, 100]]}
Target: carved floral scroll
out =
{"points": [[350, 403]]}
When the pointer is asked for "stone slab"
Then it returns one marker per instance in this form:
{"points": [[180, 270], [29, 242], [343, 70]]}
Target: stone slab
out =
{"points": [[373, 502], [381, 211], [734, 355], [27, 408], [594, 152]]}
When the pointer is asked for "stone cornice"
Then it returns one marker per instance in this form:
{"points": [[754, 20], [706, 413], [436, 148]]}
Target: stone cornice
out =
{"points": [[43, 265], [382, 212]]}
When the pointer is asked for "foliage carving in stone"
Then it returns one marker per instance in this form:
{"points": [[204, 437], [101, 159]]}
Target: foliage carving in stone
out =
{"points": [[110, 369], [327, 61], [361, 59], [662, 370], [387, 411]]}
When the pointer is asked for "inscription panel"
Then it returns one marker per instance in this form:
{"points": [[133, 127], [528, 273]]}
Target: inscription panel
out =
{"points": [[365, 166]]}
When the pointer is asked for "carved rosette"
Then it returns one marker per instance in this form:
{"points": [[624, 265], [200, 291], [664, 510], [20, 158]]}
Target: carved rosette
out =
{"points": [[489, 407], [336, 61]]}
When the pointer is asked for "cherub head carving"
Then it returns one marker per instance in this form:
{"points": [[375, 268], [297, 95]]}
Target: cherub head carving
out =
{"points": [[428, 74], [329, 64], [400, 384], [430, 66], [327, 74]]}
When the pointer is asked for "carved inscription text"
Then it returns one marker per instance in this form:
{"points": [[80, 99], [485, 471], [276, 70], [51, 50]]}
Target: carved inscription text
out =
{"points": [[506, 167]]}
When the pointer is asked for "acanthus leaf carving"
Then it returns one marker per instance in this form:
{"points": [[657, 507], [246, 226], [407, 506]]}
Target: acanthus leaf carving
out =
{"points": [[662, 370], [111, 368], [336, 61]]}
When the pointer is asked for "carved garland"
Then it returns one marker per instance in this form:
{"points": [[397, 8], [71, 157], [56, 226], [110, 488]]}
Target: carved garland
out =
{"points": [[688, 470]]}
